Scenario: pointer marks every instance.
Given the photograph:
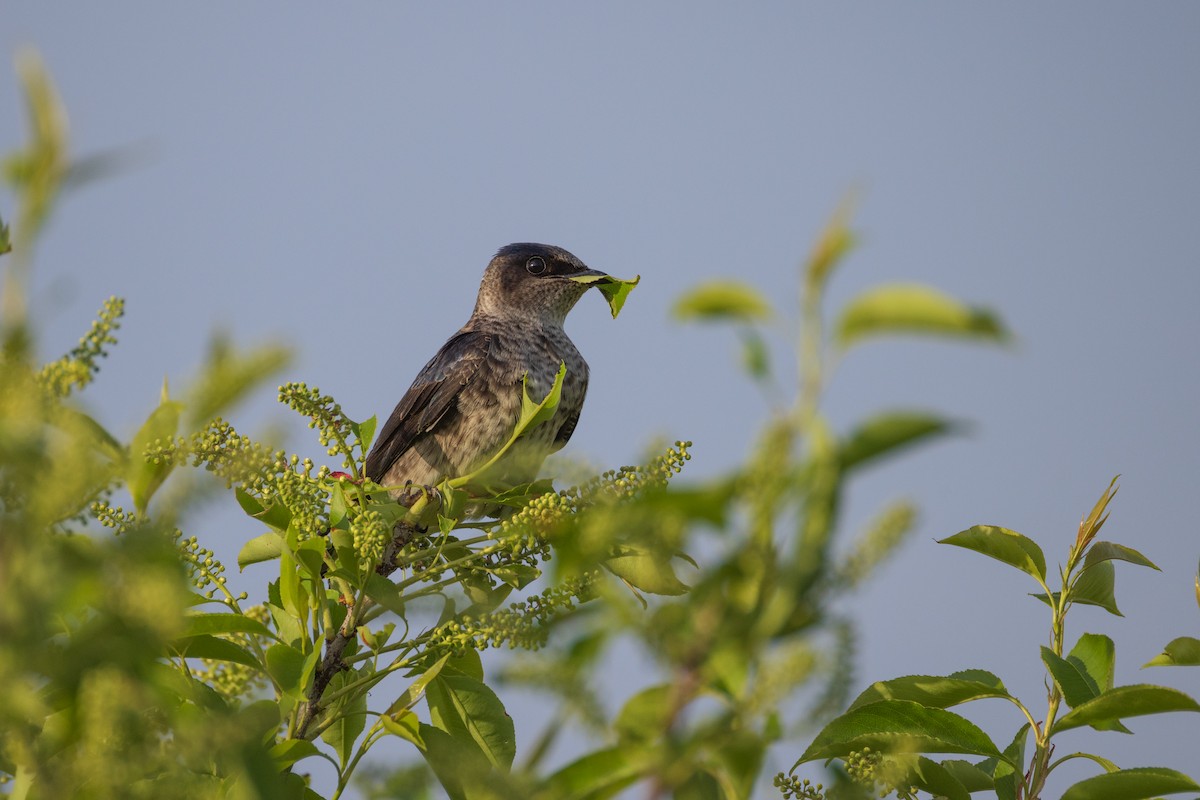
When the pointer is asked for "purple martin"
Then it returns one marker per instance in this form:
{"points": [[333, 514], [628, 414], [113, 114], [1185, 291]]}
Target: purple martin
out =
{"points": [[465, 403]]}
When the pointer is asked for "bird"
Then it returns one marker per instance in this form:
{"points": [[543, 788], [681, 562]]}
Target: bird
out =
{"points": [[465, 403]]}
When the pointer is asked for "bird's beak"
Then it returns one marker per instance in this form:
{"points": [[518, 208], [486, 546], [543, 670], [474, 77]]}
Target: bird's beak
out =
{"points": [[591, 276]]}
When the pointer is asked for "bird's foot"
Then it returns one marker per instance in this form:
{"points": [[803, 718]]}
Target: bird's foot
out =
{"points": [[412, 492]]}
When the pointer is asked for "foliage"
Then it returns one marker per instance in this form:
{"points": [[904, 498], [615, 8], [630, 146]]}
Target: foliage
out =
{"points": [[134, 670], [747, 629], [885, 736]]}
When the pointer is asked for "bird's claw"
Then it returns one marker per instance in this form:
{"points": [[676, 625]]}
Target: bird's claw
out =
{"points": [[413, 492]]}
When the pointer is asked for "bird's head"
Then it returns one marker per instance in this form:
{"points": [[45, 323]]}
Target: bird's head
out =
{"points": [[533, 281]]}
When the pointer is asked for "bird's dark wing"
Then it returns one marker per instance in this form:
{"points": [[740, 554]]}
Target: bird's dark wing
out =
{"points": [[430, 397]]}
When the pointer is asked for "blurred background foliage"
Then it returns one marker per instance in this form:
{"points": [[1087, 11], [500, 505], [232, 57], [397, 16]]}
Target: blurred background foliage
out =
{"points": [[727, 589]]}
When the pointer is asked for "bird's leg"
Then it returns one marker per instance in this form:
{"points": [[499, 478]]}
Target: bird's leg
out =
{"points": [[412, 492], [406, 530]]}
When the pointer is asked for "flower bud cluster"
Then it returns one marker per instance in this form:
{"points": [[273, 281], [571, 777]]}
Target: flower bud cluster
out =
{"points": [[522, 624], [270, 475], [76, 369], [628, 482], [325, 416], [522, 538], [301, 494], [205, 571], [225, 453], [372, 533], [793, 788], [869, 769], [114, 517], [887, 532]]}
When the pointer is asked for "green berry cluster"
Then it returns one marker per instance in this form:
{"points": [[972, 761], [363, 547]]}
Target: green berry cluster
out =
{"points": [[525, 536], [204, 570], [372, 533], [224, 452], [114, 517], [522, 624], [301, 493], [522, 538], [869, 769], [628, 482], [325, 416], [76, 369], [269, 475], [791, 787]]}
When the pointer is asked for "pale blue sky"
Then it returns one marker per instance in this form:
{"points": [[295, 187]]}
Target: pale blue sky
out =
{"points": [[338, 179]]}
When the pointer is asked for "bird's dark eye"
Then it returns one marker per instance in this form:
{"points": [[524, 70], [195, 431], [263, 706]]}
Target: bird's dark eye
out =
{"points": [[536, 265]]}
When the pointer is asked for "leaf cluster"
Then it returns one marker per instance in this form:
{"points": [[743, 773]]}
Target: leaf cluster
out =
{"points": [[886, 736]]}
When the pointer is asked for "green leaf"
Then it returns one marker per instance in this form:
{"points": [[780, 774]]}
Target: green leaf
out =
{"points": [[532, 414], [457, 762], [1006, 770], [755, 356], [351, 717], [1094, 521], [899, 726], [365, 431], [722, 300], [1078, 684], [1073, 682], [217, 649], [1096, 654], [699, 786], [1108, 551], [1124, 702], [311, 557], [647, 570], [290, 630], [289, 751], [102, 440], [416, 690], [915, 309], [406, 725], [1131, 784], [645, 716], [518, 576], [615, 290], [276, 516], [934, 778], [1096, 586], [972, 778], [266, 547], [286, 665], [888, 432], [468, 663], [291, 593], [600, 774], [1004, 545], [1181, 652], [144, 476], [228, 375], [535, 413], [469, 710], [835, 242], [932, 691], [225, 623]]}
